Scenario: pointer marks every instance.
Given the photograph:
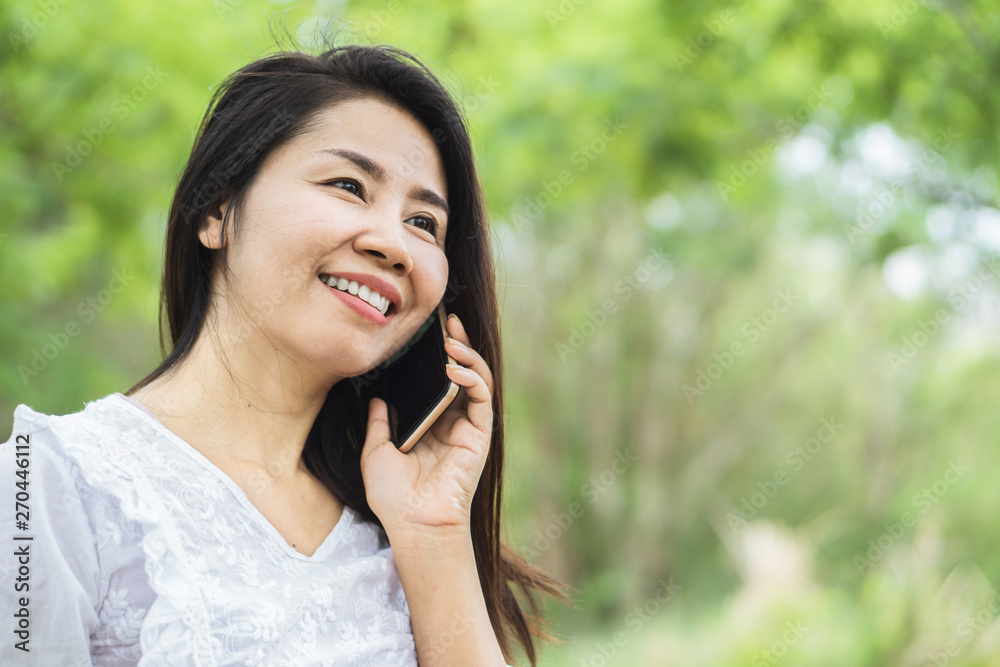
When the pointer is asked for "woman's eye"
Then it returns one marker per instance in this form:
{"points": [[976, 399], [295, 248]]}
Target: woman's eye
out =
{"points": [[347, 184], [425, 223]]}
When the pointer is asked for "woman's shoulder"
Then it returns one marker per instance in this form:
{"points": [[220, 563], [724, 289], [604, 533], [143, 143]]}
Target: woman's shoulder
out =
{"points": [[85, 445], [54, 462], [61, 436]]}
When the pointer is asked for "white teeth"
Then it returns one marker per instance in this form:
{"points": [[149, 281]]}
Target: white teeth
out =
{"points": [[363, 292]]}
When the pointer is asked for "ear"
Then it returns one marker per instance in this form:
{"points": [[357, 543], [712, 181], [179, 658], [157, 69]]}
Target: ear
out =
{"points": [[210, 232]]}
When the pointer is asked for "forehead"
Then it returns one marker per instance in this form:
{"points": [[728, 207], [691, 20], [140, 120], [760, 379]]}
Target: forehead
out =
{"points": [[378, 130]]}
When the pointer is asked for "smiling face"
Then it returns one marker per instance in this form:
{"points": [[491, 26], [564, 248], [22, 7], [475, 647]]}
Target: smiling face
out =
{"points": [[355, 204]]}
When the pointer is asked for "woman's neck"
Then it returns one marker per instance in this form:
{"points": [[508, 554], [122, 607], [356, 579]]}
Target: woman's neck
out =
{"points": [[258, 408]]}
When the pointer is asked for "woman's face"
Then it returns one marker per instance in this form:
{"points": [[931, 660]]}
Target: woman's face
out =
{"points": [[359, 201]]}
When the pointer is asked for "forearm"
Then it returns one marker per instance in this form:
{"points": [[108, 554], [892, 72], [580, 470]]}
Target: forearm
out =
{"points": [[451, 626]]}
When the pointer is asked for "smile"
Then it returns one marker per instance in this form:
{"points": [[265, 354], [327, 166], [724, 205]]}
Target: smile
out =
{"points": [[363, 292]]}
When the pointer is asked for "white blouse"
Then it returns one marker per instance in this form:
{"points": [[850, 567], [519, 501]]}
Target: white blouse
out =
{"points": [[142, 552]]}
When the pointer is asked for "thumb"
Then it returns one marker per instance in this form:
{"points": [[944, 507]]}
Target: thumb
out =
{"points": [[377, 433]]}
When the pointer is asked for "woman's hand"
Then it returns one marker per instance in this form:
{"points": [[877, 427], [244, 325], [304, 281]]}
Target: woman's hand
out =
{"points": [[429, 489]]}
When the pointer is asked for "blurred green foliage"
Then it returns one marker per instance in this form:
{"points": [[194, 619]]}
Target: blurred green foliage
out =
{"points": [[748, 254]]}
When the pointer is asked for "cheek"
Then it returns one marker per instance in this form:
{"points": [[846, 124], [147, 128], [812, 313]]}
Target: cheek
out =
{"points": [[430, 274], [271, 267], [261, 282]]}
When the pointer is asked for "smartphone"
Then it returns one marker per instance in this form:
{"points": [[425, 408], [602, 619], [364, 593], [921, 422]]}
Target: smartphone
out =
{"points": [[413, 382]]}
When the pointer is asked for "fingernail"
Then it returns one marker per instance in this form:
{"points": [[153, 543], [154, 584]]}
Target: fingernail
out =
{"points": [[453, 316]]}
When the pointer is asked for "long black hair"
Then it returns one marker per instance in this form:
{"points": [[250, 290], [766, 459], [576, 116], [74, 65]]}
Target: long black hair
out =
{"points": [[256, 110]]}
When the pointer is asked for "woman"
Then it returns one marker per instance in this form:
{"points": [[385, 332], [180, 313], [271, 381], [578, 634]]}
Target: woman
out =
{"points": [[238, 505]]}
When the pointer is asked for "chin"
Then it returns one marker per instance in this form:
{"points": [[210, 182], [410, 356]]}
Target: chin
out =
{"points": [[349, 362]]}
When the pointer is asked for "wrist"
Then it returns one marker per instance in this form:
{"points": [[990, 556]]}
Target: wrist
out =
{"points": [[437, 543]]}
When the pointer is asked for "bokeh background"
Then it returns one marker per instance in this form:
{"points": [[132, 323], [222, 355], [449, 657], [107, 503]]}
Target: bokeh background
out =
{"points": [[749, 263]]}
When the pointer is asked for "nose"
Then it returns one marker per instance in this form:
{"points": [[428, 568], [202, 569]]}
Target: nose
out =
{"points": [[385, 239]]}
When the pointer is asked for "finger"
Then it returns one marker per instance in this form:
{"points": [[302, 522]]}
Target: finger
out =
{"points": [[469, 358], [377, 433], [480, 403], [456, 332]]}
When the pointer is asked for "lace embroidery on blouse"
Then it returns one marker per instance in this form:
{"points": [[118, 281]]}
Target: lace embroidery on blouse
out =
{"points": [[190, 571]]}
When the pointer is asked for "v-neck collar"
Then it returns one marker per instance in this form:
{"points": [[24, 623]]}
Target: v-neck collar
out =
{"points": [[347, 518]]}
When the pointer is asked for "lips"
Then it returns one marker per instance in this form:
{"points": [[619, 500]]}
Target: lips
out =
{"points": [[374, 298], [370, 296]]}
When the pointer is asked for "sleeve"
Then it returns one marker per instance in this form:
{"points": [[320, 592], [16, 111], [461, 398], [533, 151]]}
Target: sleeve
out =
{"points": [[49, 567]]}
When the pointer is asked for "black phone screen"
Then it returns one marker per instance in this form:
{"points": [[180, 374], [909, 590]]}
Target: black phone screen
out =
{"points": [[412, 381]]}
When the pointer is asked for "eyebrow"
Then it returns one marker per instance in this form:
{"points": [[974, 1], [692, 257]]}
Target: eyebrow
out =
{"points": [[379, 173]]}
